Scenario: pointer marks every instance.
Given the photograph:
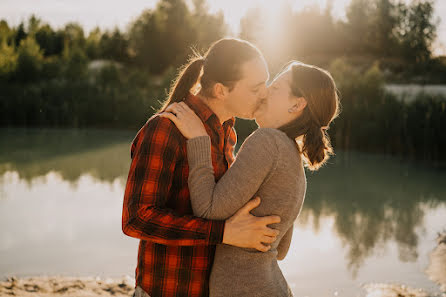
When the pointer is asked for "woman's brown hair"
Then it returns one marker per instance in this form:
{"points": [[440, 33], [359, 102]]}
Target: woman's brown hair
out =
{"points": [[318, 88], [220, 64]]}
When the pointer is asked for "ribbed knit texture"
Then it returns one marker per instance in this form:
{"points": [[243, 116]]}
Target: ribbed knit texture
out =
{"points": [[268, 165]]}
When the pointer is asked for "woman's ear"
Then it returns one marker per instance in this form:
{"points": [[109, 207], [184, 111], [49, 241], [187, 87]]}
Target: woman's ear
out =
{"points": [[299, 104], [220, 91]]}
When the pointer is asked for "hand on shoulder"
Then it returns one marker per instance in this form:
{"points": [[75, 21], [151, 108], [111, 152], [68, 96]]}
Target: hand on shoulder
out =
{"points": [[186, 120]]}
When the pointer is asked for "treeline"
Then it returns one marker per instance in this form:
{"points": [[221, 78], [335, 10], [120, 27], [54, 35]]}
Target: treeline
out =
{"points": [[399, 36], [375, 121], [66, 78]]}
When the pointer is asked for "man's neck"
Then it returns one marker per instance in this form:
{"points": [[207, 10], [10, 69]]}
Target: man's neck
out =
{"points": [[216, 108]]}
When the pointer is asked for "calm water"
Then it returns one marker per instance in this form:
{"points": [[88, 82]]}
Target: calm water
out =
{"points": [[365, 218]]}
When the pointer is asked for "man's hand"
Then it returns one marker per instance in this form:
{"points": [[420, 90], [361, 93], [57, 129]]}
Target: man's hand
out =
{"points": [[248, 231]]}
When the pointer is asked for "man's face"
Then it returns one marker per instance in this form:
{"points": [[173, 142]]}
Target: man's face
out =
{"points": [[249, 91]]}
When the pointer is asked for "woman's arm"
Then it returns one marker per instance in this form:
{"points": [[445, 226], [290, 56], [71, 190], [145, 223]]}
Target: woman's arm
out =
{"points": [[284, 244], [254, 163], [145, 214]]}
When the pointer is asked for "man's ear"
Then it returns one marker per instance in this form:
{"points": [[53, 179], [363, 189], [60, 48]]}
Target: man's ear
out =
{"points": [[299, 104], [220, 91]]}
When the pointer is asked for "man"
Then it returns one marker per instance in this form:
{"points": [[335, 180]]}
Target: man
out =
{"points": [[176, 248]]}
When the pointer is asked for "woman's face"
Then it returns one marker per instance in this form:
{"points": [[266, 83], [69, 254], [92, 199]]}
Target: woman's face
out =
{"points": [[280, 106]]}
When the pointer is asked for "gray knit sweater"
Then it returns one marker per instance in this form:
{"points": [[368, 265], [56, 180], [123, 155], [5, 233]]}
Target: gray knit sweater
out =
{"points": [[268, 165]]}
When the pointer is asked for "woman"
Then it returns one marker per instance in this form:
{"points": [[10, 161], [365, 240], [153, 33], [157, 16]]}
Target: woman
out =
{"points": [[293, 120]]}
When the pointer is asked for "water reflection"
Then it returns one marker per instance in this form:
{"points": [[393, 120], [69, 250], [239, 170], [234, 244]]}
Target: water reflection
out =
{"points": [[374, 200], [103, 154], [52, 226], [71, 183]]}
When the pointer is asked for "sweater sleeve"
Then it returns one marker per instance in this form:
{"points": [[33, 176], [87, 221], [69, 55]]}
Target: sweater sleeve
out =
{"points": [[284, 244], [255, 161], [145, 214]]}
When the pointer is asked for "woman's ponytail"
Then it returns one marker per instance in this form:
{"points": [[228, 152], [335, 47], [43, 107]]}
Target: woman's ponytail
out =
{"points": [[186, 79], [316, 147], [310, 128]]}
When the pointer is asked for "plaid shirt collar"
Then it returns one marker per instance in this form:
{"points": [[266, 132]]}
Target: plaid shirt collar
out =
{"points": [[206, 114]]}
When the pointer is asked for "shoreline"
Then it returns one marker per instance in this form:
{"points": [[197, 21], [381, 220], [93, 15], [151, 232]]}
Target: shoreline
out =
{"points": [[68, 286], [94, 286]]}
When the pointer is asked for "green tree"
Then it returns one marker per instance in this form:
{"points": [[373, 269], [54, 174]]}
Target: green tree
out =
{"points": [[20, 34], [417, 31], [161, 37], [29, 61], [74, 36], [34, 23], [92, 47], [76, 63], [50, 42], [8, 60], [114, 46], [385, 20], [6, 33], [357, 29]]}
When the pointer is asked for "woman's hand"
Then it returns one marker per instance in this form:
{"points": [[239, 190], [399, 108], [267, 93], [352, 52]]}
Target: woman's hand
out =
{"points": [[189, 124]]}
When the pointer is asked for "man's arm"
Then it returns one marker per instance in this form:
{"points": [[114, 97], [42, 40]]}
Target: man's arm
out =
{"points": [[149, 182], [145, 216]]}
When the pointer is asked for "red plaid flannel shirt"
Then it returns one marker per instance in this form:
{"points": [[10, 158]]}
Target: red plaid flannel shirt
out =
{"points": [[176, 249]]}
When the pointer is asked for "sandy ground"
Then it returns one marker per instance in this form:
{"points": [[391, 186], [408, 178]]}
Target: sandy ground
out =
{"points": [[119, 287], [53, 286], [46, 286]]}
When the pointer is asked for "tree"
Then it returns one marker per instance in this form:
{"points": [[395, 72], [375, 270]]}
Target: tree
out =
{"points": [[50, 42], [74, 36], [417, 31], [34, 23], [76, 63], [114, 46], [92, 46], [6, 33], [8, 60], [358, 26], [384, 21], [29, 61], [162, 37], [20, 34]]}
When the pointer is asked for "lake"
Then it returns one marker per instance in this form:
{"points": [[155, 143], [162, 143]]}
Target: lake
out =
{"points": [[366, 218]]}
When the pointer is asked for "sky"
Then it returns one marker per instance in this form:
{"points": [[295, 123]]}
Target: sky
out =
{"points": [[108, 14]]}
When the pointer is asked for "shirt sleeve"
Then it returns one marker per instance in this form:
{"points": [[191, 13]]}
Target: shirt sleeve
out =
{"points": [[254, 162], [145, 215], [284, 243]]}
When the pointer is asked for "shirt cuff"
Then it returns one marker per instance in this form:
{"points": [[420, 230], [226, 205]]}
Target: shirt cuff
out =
{"points": [[217, 231]]}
